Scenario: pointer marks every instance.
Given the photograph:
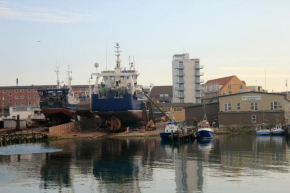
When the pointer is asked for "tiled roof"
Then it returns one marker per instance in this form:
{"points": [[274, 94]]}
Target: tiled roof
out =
{"points": [[157, 90], [220, 81]]}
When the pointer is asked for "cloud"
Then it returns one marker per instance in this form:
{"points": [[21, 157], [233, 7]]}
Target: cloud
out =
{"points": [[20, 12]]}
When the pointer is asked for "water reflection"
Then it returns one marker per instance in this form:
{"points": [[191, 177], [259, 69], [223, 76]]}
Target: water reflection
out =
{"points": [[145, 165]]}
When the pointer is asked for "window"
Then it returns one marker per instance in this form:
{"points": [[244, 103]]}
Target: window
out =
{"points": [[21, 97], [10, 101], [29, 103], [253, 118], [238, 106], [4, 98], [228, 106], [4, 90], [276, 106], [229, 86], [16, 90], [35, 97], [16, 97], [16, 104], [4, 104], [34, 90], [241, 86], [34, 103], [230, 92], [177, 109], [29, 97], [28, 90], [22, 104], [181, 100], [254, 106], [224, 93], [10, 94], [22, 90]]}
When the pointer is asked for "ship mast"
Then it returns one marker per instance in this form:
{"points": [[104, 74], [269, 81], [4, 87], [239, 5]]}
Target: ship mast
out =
{"points": [[69, 78], [57, 76], [118, 61]]}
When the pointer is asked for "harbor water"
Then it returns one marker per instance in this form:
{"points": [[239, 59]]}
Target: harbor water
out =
{"points": [[224, 164]]}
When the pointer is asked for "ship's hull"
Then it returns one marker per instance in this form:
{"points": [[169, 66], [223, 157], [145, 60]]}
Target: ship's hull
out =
{"points": [[127, 118], [167, 136], [127, 109], [277, 132], [204, 134], [57, 116], [263, 132]]}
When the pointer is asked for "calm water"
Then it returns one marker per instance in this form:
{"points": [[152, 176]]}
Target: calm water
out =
{"points": [[225, 164]]}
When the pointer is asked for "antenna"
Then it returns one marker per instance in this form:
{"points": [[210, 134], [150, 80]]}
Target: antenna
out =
{"points": [[57, 77], [129, 63], [106, 56]]}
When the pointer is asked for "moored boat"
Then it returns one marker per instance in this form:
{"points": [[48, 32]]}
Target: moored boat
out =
{"points": [[117, 98], [204, 130], [277, 130], [172, 128], [263, 129], [59, 104]]}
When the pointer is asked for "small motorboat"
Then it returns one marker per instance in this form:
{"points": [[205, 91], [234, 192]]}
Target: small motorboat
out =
{"points": [[263, 129], [277, 130], [204, 130], [171, 128]]}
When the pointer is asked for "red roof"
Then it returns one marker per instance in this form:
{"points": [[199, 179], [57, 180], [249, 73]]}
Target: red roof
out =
{"points": [[220, 81]]}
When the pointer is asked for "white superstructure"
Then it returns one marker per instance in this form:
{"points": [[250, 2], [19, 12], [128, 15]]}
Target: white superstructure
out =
{"points": [[186, 79]]}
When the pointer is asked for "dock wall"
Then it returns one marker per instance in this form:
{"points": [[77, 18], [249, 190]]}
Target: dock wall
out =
{"points": [[61, 129]]}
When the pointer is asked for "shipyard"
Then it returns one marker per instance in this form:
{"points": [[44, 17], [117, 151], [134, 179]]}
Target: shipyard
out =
{"points": [[149, 96]]}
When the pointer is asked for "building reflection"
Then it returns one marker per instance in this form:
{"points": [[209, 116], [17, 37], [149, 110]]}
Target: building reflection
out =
{"points": [[189, 160], [130, 165]]}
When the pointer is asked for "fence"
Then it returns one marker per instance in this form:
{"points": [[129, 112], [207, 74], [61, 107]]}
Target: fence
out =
{"points": [[61, 129]]}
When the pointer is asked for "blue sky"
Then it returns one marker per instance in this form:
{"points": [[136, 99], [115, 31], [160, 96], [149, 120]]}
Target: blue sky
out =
{"points": [[244, 38]]}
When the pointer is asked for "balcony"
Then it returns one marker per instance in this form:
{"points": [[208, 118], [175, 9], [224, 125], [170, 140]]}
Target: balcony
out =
{"points": [[198, 66], [179, 74], [179, 67], [199, 81], [179, 89], [179, 82], [199, 74], [180, 96], [197, 87]]}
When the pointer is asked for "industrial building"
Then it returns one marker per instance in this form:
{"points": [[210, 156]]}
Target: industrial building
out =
{"points": [[253, 108]]}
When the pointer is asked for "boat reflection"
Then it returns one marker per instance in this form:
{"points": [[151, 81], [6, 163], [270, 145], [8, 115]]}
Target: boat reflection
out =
{"points": [[147, 164]]}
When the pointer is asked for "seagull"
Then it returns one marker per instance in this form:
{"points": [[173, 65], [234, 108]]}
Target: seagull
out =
{"points": [[38, 40]]}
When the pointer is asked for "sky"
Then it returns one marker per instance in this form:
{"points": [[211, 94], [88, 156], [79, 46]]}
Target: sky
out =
{"points": [[250, 39]]}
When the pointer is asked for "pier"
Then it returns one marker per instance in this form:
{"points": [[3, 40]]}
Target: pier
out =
{"points": [[15, 138], [180, 137]]}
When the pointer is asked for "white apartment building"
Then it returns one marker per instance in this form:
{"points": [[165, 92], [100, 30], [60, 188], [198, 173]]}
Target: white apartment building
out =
{"points": [[186, 79]]}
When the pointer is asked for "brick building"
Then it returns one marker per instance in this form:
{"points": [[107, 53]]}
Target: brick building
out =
{"points": [[28, 95]]}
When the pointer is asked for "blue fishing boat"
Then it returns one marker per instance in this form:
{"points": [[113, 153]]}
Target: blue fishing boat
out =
{"points": [[204, 130], [171, 128], [117, 98], [263, 129], [277, 130]]}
